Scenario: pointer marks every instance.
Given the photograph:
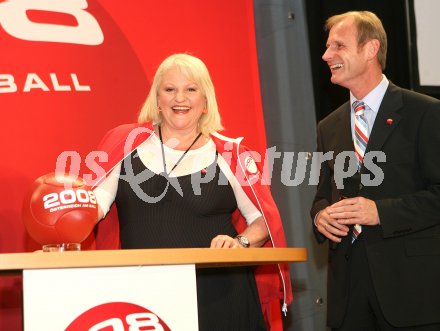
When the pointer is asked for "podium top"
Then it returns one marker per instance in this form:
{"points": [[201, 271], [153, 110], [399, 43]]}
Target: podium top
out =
{"points": [[201, 257]]}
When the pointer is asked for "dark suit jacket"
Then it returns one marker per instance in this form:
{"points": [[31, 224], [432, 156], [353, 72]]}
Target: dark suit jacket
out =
{"points": [[404, 250]]}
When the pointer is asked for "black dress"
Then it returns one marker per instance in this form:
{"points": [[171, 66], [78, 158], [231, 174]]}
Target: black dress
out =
{"points": [[227, 298]]}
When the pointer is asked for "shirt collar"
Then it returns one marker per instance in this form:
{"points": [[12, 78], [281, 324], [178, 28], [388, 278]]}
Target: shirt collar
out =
{"points": [[374, 98]]}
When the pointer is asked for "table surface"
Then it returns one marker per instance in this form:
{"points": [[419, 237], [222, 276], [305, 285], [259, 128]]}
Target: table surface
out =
{"points": [[201, 257]]}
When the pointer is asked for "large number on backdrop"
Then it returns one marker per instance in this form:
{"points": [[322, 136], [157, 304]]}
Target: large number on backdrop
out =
{"points": [[70, 71]]}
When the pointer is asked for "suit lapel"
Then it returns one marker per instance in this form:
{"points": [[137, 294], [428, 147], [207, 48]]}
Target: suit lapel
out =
{"points": [[342, 131], [387, 118]]}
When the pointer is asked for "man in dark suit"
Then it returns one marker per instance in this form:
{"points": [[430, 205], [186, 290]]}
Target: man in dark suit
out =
{"points": [[387, 277]]}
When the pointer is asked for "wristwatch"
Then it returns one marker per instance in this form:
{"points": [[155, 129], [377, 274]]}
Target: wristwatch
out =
{"points": [[243, 241]]}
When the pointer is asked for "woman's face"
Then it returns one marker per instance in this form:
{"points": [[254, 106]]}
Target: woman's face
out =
{"points": [[181, 101]]}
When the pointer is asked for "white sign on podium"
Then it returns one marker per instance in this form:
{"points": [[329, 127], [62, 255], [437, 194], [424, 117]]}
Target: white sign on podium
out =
{"points": [[111, 298]]}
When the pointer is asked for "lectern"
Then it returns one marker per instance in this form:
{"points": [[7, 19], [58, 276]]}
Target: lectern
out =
{"points": [[119, 290]]}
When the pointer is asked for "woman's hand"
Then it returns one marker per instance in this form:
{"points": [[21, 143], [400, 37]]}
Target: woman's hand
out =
{"points": [[256, 233], [224, 241]]}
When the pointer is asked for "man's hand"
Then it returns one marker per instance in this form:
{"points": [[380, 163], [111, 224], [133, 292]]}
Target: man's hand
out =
{"points": [[356, 210], [329, 226]]}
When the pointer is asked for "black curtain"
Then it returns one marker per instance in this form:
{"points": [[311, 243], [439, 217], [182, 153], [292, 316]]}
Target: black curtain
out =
{"points": [[393, 15]]}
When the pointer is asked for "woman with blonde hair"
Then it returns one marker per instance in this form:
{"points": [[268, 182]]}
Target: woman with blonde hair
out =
{"points": [[178, 183]]}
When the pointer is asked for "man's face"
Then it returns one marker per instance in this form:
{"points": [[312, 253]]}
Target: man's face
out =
{"points": [[345, 58]]}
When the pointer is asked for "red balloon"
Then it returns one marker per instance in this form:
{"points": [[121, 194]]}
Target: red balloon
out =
{"points": [[59, 209]]}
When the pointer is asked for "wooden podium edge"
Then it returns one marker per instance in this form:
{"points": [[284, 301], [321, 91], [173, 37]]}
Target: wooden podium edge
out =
{"points": [[201, 257]]}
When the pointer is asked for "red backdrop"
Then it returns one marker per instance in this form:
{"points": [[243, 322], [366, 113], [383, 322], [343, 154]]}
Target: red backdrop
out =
{"points": [[71, 70]]}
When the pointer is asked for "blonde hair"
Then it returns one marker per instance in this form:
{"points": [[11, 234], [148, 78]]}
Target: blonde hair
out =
{"points": [[369, 26], [195, 70]]}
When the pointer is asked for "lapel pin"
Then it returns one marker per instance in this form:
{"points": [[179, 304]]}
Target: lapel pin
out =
{"points": [[389, 121]]}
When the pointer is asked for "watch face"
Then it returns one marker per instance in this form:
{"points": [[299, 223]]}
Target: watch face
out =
{"points": [[243, 241]]}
